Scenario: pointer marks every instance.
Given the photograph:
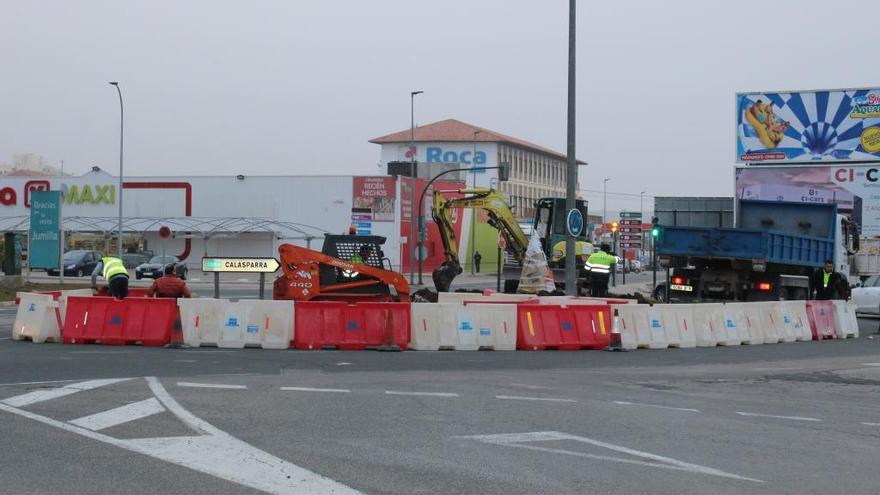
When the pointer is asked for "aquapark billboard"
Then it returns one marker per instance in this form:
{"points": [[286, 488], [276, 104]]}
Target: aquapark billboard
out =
{"points": [[808, 127], [855, 189]]}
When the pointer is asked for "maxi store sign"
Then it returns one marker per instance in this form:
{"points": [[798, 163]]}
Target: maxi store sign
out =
{"points": [[83, 194], [44, 237]]}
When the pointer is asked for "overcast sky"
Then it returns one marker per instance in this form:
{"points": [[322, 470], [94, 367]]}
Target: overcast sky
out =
{"points": [[296, 87]]}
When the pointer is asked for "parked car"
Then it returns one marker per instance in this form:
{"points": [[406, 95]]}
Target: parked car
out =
{"points": [[867, 297], [78, 263], [133, 260], [155, 268]]}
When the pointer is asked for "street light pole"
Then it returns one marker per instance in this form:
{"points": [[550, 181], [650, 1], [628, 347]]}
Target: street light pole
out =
{"points": [[412, 185], [604, 198], [473, 239], [642, 220], [119, 192], [571, 288]]}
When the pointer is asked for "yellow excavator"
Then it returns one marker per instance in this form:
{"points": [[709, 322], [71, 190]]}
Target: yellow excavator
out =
{"points": [[549, 222]]}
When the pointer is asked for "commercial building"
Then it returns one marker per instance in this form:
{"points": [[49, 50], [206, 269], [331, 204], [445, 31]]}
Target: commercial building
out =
{"points": [[535, 171]]}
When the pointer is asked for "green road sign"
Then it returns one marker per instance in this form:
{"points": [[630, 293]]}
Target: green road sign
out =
{"points": [[44, 238]]}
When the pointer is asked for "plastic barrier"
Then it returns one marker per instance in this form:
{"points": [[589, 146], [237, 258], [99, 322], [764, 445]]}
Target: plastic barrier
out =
{"points": [[351, 326], [797, 311], [470, 327], [64, 294], [732, 329], [200, 318], [255, 323], [679, 322], [821, 317], [789, 325], [106, 320], [748, 322], [708, 323], [645, 322], [132, 292], [583, 300], [514, 298], [545, 326], [772, 327], [459, 297], [37, 318], [846, 324]]}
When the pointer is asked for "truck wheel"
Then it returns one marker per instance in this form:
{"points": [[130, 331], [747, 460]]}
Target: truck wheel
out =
{"points": [[510, 286]]}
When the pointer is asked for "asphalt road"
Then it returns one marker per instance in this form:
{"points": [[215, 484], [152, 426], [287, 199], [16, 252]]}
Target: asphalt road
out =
{"points": [[798, 418]]}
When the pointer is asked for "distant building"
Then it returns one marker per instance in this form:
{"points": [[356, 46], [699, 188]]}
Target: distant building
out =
{"points": [[28, 165], [535, 171]]}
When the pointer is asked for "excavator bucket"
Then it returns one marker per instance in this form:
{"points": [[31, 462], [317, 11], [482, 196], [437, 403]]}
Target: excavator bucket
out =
{"points": [[444, 274]]}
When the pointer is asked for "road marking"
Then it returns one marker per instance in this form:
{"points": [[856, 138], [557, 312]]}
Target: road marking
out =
{"points": [[211, 385], [534, 387], [54, 393], [519, 440], [870, 364], [343, 364], [100, 352], [871, 424], [120, 415], [686, 409], [38, 383], [4, 338], [759, 415], [427, 394], [186, 361], [776, 369], [212, 452], [308, 389], [548, 399]]}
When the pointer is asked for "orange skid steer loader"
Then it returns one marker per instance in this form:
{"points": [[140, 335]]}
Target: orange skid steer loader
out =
{"points": [[349, 268]]}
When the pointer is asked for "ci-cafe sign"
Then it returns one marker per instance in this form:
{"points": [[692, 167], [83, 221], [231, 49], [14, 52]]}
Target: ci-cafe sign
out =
{"points": [[240, 265], [44, 237]]}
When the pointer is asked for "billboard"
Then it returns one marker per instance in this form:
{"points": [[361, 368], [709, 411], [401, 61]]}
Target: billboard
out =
{"points": [[855, 189], [808, 127], [375, 194]]}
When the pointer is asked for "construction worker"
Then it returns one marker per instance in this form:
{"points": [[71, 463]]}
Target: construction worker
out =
{"points": [[828, 284], [116, 275], [169, 286], [599, 266]]}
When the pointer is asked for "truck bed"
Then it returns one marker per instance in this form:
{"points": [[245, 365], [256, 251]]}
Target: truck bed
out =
{"points": [[729, 243]]}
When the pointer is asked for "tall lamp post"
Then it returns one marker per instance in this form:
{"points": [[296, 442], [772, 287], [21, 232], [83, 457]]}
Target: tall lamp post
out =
{"points": [[642, 218], [473, 239], [604, 198], [412, 185], [571, 165], [121, 127]]}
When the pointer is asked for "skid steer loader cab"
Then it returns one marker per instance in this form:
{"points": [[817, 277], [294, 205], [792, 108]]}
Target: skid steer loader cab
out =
{"points": [[360, 249]]}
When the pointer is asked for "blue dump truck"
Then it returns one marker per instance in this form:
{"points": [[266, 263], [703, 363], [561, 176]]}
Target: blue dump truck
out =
{"points": [[769, 255]]}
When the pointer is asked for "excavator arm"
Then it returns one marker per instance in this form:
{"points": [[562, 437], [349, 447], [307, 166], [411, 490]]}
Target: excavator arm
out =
{"points": [[500, 217]]}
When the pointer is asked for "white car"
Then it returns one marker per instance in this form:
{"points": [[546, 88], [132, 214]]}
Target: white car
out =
{"points": [[867, 297]]}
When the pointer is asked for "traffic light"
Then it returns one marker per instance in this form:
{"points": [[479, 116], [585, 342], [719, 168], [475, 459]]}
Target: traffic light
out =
{"points": [[613, 227], [655, 229]]}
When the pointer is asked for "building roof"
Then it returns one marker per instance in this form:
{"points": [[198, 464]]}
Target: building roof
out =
{"points": [[452, 130]]}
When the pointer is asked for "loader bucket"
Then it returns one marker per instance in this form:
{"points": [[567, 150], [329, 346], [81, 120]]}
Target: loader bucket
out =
{"points": [[444, 274]]}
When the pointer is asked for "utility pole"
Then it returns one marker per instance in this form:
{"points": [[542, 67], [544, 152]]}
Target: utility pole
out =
{"points": [[412, 186], [119, 192], [473, 240], [572, 176]]}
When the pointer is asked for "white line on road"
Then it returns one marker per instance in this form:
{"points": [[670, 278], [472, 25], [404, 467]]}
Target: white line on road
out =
{"points": [[759, 415], [308, 389], [38, 383], [427, 394], [120, 415], [870, 364], [53, 393], [534, 387], [776, 369], [871, 424], [4, 338], [100, 352], [211, 385], [518, 439], [686, 409], [186, 361], [213, 452], [548, 399]]}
